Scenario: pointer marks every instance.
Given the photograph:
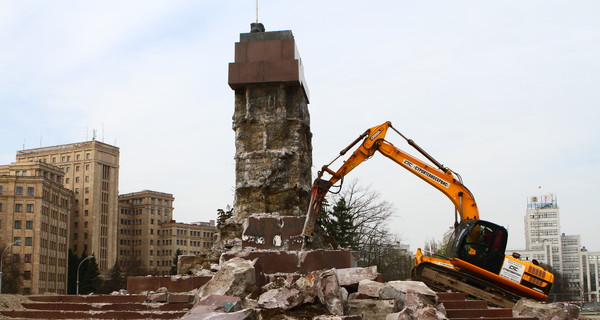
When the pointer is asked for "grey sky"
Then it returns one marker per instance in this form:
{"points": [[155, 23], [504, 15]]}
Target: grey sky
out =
{"points": [[506, 93]]}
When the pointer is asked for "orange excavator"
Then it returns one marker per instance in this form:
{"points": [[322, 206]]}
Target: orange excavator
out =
{"points": [[476, 263]]}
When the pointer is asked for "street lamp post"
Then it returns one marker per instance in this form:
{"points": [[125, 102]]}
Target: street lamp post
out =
{"points": [[78, 267], [2, 255]]}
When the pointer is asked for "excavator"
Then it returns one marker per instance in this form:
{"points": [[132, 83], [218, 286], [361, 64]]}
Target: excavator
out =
{"points": [[476, 263]]}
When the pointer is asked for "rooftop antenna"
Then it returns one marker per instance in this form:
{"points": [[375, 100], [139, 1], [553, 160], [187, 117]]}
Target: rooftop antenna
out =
{"points": [[257, 26], [94, 134]]}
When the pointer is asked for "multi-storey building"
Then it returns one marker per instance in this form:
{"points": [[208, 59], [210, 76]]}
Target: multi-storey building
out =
{"points": [[564, 253], [190, 239], [34, 217], [91, 171], [140, 216], [590, 265], [149, 237]]}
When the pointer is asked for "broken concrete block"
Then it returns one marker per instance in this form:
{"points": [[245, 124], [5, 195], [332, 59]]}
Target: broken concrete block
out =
{"points": [[429, 313], [281, 298], [405, 314], [158, 297], [222, 303], [370, 288], [201, 312], [325, 317], [237, 277], [371, 309], [307, 285], [545, 311], [412, 286], [350, 276], [328, 291]]}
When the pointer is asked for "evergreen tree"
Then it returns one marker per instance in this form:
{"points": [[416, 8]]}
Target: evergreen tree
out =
{"points": [[89, 281], [339, 223], [74, 261], [115, 282], [223, 215], [12, 281], [173, 270]]}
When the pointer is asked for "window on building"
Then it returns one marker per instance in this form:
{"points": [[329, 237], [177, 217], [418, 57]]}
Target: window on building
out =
{"points": [[30, 191], [27, 258], [85, 235], [67, 180], [29, 224], [87, 189], [29, 207], [28, 241], [26, 275], [87, 179], [85, 224], [17, 224], [18, 207], [77, 168], [85, 212], [76, 179], [76, 190], [0, 206], [77, 157], [86, 201], [19, 191], [0, 189], [87, 155]]}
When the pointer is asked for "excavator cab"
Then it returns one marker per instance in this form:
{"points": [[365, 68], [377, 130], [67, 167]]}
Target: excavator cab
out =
{"points": [[480, 243]]}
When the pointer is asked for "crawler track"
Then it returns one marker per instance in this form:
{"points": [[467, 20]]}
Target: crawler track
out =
{"points": [[444, 279]]}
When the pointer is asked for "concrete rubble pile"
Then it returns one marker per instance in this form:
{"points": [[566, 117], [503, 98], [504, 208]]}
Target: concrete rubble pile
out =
{"points": [[239, 290], [546, 311]]}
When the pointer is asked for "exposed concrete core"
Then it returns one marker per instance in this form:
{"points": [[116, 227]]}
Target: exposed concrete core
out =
{"points": [[272, 126]]}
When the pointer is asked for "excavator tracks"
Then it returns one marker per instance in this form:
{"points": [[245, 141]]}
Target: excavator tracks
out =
{"points": [[443, 279]]}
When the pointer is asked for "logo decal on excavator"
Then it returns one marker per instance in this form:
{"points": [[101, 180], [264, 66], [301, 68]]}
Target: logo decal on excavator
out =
{"points": [[426, 173]]}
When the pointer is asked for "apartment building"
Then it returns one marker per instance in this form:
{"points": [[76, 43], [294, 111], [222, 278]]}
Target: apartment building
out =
{"points": [[35, 209], [149, 237], [91, 171]]}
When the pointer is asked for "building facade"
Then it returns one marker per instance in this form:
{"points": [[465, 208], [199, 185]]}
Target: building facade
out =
{"points": [[91, 171], [149, 237], [35, 209], [545, 243]]}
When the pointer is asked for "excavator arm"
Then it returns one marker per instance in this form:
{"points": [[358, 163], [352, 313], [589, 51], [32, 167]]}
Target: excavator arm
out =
{"points": [[373, 140]]}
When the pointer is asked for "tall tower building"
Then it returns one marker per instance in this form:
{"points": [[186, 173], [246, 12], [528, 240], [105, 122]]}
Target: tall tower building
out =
{"points": [[542, 229], [91, 171], [34, 217]]}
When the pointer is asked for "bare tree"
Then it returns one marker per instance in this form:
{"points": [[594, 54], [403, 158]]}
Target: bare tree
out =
{"points": [[358, 218]]}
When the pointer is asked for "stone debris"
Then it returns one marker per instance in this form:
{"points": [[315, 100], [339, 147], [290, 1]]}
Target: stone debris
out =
{"points": [[545, 311], [328, 291], [350, 276], [237, 277], [370, 288], [281, 298]]}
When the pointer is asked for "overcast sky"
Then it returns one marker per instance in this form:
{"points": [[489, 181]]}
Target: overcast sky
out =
{"points": [[506, 93]]}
